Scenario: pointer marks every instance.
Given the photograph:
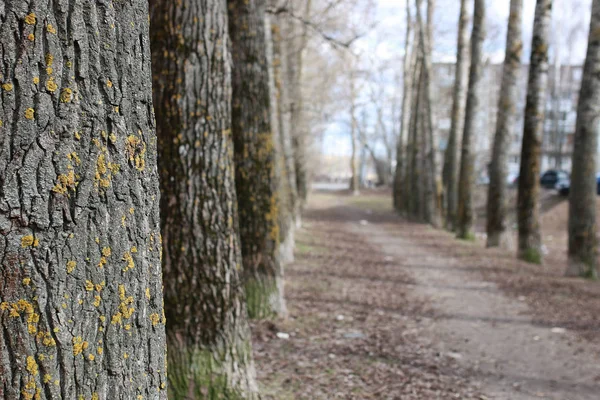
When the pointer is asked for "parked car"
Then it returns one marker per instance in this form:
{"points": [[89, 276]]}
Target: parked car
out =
{"points": [[551, 177], [563, 186]]}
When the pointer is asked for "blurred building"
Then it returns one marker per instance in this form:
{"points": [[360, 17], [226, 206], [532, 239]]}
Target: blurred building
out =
{"points": [[561, 107]]}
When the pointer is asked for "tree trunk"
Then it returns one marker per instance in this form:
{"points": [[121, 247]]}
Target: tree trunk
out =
{"points": [[209, 338], [281, 37], [298, 41], [411, 150], [529, 175], [465, 183], [431, 193], [399, 175], [354, 182], [505, 123], [583, 257], [254, 155], [416, 204], [80, 278], [280, 123], [449, 171]]}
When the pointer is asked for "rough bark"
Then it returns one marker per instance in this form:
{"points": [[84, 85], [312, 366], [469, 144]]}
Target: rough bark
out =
{"points": [[583, 256], [529, 174], [208, 333], [297, 43], [450, 168], [432, 212], [415, 203], [399, 175], [80, 279], [254, 155], [280, 122], [505, 123], [465, 183]]}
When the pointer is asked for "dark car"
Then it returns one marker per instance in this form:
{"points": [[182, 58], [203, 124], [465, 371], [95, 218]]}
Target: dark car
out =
{"points": [[551, 177], [564, 185]]}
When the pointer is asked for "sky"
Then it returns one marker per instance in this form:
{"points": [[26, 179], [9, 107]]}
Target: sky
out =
{"points": [[385, 43]]}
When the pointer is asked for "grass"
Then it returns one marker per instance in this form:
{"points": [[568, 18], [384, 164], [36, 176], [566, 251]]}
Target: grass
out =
{"points": [[531, 256]]}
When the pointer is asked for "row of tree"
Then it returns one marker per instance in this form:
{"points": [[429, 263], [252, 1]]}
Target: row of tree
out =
{"points": [[417, 192], [101, 101]]}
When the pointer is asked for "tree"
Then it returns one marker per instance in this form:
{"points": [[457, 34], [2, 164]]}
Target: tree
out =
{"points": [[354, 183], [449, 171], [505, 122], [429, 148], [583, 257], [80, 277], [297, 41], [254, 155], [465, 182], [208, 334], [281, 122], [529, 173], [401, 156]]}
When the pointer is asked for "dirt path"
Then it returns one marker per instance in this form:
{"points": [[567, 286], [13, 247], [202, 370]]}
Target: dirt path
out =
{"points": [[512, 357], [385, 309]]}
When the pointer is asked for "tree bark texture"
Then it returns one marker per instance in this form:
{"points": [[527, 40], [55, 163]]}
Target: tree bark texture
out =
{"points": [[399, 175], [583, 241], [255, 159], [465, 215], [281, 131], [450, 168], [416, 204], [81, 296], [432, 213], [209, 337], [505, 124], [529, 174], [297, 43]]}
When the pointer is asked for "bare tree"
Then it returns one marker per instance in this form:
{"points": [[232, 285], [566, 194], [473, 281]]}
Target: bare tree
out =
{"points": [[401, 155], [354, 183], [465, 183], [529, 174], [449, 172], [431, 209], [583, 242], [505, 122]]}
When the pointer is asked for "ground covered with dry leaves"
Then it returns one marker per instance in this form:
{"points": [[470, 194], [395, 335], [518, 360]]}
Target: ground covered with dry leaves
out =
{"points": [[382, 308], [352, 332]]}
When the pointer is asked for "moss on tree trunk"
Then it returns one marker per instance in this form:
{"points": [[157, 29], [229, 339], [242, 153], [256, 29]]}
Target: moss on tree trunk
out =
{"points": [[254, 154]]}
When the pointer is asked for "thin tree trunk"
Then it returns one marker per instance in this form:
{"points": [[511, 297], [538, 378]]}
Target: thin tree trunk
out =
{"points": [[299, 132], [583, 256], [406, 199], [354, 183], [505, 123], [209, 338], [431, 193], [255, 159], [529, 175], [450, 168], [465, 183], [281, 112], [399, 175], [416, 203], [81, 312]]}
